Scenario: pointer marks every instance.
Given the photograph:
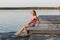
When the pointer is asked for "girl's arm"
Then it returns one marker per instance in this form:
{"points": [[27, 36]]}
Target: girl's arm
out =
{"points": [[38, 22]]}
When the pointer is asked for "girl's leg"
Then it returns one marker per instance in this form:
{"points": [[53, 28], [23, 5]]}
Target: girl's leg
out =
{"points": [[23, 28]]}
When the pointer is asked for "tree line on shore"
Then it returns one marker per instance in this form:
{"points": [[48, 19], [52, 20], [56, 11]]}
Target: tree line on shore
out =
{"points": [[38, 8]]}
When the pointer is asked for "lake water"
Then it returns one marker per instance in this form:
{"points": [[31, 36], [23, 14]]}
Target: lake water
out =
{"points": [[13, 20]]}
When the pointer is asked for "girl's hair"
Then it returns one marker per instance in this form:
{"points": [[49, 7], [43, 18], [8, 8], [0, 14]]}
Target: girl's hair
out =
{"points": [[34, 12]]}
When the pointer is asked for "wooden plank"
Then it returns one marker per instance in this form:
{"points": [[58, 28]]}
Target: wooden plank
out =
{"points": [[42, 37], [45, 31], [37, 37], [41, 28], [50, 23], [38, 30], [49, 19]]}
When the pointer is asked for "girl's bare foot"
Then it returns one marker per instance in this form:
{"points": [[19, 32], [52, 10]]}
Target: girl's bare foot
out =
{"points": [[17, 34]]}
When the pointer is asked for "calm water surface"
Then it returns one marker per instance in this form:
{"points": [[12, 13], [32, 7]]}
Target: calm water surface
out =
{"points": [[13, 20]]}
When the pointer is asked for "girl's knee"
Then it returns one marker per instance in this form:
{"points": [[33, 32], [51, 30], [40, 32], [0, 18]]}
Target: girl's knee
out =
{"points": [[26, 25]]}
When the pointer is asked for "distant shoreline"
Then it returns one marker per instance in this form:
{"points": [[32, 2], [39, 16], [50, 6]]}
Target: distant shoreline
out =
{"points": [[28, 8]]}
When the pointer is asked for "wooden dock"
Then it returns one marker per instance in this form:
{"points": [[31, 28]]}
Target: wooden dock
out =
{"points": [[37, 34], [52, 21], [32, 30]]}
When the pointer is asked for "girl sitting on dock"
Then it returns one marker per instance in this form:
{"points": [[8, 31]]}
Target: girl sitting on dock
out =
{"points": [[32, 23]]}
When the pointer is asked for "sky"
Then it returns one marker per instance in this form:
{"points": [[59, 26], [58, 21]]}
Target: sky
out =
{"points": [[29, 3]]}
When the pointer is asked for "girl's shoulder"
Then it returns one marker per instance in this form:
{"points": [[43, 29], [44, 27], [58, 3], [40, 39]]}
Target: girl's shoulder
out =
{"points": [[35, 17]]}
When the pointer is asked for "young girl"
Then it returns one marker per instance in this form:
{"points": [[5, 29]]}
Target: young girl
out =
{"points": [[32, 23]]}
